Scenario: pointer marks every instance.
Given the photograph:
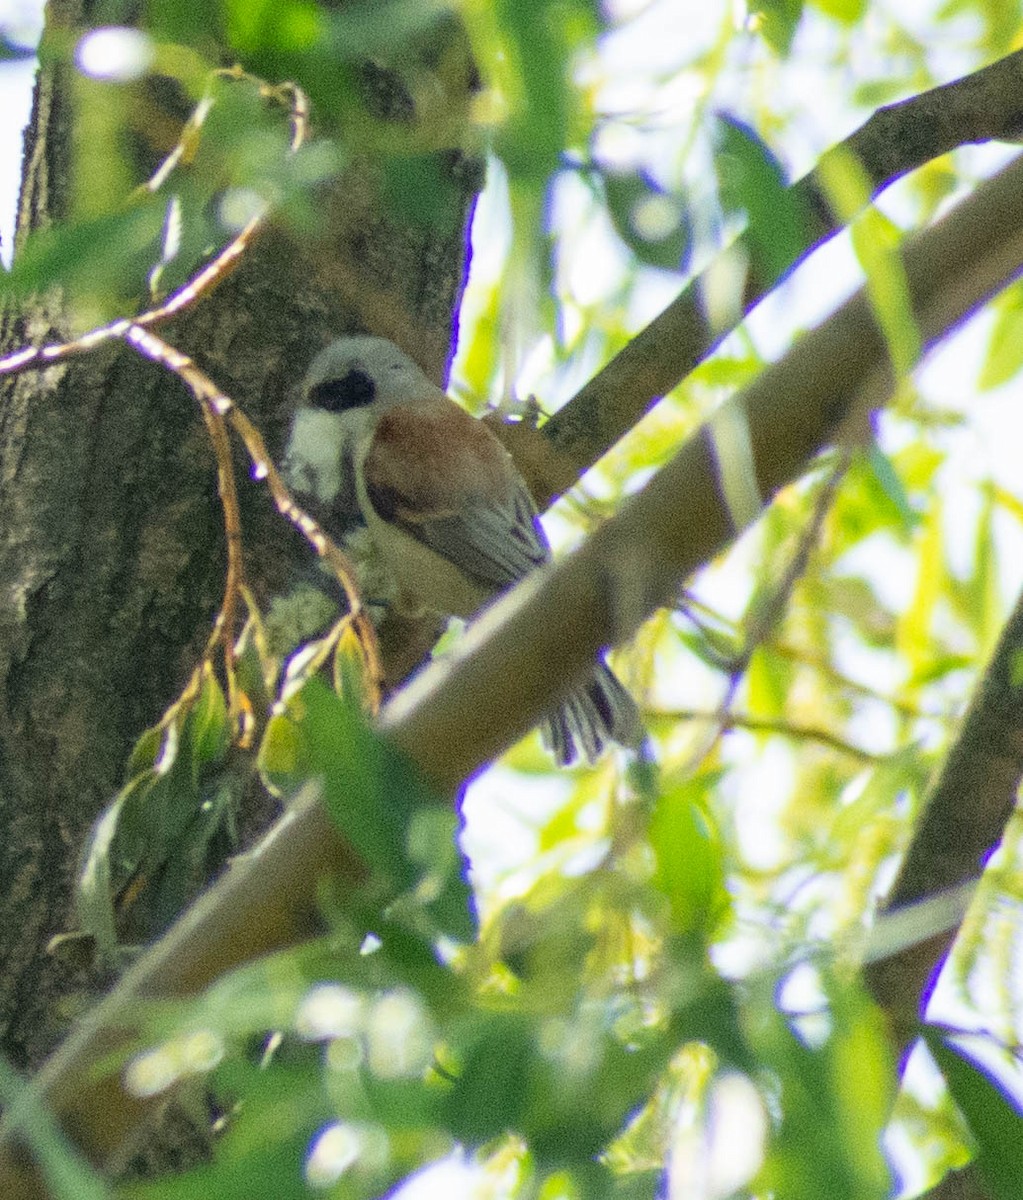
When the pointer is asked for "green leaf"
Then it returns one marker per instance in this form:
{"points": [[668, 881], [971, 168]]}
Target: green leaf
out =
{"points": [[282, 758], [111, 856], [853, 597], [848, 12], [983, 602], [901, 772], [688, 854], [378, 798], [834, 1101], [370, 791], [209, 730], [913, 630], [106, 253], [561, 1081], [189, 22], [532, 140], [888, 479], [769, 682], [994, 1116], [433, 847], [751, 181], [654, 225], [272, 24], [145, 752], [167, 829], [876, 241], [873, 498], [1005, 348], [492, 1089], [873, 93], [776, 21]]}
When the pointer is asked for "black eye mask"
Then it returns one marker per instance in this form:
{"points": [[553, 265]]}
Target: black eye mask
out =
{"points": [[354, 390]]}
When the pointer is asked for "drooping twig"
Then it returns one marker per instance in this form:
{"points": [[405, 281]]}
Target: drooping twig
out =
{"points": [[215, 405], [218, 407], [772, 607]]}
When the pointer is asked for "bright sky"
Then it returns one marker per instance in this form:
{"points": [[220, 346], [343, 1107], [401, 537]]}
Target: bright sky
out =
{"points": [[20, 20]]}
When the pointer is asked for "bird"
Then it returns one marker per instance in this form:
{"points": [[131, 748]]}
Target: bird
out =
{"points": [[381, 452]]}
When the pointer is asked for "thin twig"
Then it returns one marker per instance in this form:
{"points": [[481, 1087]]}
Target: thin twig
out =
{"points": [[789, 729], [770, 611], [217, 407], [206, 279], [234, 579]]}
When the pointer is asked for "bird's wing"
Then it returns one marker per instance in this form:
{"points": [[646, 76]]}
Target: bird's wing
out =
{"points": [[444, 478]]}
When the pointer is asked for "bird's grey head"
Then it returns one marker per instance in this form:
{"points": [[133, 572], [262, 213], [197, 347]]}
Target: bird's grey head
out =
{"points": [[357, 371]]}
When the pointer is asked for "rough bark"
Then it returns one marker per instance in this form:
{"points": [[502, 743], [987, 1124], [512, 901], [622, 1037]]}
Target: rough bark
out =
{"points": [[111, 536]]}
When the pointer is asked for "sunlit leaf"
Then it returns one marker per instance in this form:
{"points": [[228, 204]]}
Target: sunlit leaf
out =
{"points": [[876, 241], [688, 854], [994, 1116], [1005, 349], [833, 1100], [849, 12], [752, 181], [913, 632], [652, 224], [769, 680], [776, 21]]}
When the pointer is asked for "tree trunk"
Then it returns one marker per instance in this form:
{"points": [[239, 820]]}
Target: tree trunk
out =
{"points": [[111, 535]]}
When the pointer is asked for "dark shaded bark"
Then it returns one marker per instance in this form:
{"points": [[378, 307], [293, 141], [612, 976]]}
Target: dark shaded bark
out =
{"points": [[963, 821], [111, 535]]}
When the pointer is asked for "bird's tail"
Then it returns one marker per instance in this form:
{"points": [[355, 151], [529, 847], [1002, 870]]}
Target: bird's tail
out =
{"points": [[598, 712]]}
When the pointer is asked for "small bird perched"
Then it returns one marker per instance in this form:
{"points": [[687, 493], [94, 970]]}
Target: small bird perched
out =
{"points": [[375, 444]]}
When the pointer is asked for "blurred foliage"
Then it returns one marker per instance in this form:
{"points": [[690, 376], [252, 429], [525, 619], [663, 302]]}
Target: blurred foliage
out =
{"points": [[585, 986]]}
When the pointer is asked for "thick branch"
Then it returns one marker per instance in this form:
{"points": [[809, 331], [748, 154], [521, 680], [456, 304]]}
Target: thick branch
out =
{"points": [[522, 656], [985, 106], [964, 818], [965, 1184], [517, 660]]}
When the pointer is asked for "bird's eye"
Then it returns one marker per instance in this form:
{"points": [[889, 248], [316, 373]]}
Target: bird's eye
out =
{"points": [[353, 390]]}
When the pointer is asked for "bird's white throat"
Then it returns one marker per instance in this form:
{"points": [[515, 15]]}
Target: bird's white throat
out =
{"points": [[312, 464]]}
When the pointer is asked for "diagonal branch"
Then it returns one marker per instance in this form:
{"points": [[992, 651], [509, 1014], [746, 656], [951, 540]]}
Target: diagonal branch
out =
{"points": [[963, 819], [982, 107], [545, 634]]}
